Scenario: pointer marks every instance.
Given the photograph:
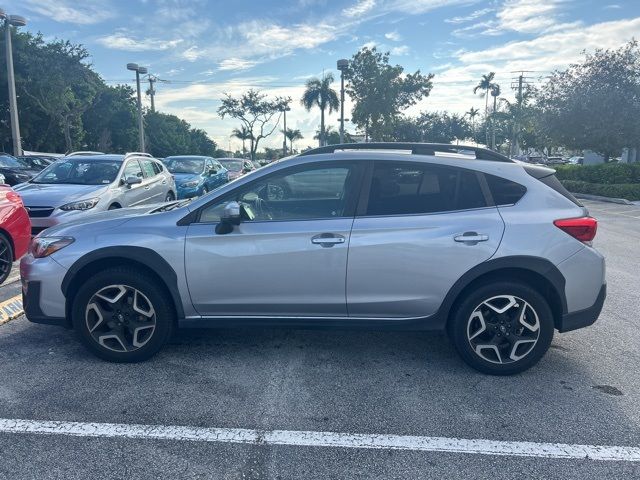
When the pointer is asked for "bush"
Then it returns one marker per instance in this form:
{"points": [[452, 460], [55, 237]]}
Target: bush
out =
{"points": [[628, 191], [606, 173]]}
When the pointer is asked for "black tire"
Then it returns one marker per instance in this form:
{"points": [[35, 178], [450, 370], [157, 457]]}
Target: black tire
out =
{"points": [[153, 292], [170, 197], [498, 327], [6, 258]]}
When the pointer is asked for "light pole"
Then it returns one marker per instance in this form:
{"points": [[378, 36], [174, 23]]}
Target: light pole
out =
{"points": [[284, 143], [139, 70], [15, 21], [343, 64]]}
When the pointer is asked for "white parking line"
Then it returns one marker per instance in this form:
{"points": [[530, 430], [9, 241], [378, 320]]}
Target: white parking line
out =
{"points": [[323, 439]]}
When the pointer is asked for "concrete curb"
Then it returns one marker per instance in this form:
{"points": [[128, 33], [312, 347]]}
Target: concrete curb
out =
{"points": [[586, 196], [11, 309]]}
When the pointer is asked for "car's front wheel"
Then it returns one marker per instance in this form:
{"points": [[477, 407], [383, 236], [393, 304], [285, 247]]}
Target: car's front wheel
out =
{"points": [[502, 328], [122, 315]]}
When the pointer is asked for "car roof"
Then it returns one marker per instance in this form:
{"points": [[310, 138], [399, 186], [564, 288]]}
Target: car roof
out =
{"points": [[89, 158]]}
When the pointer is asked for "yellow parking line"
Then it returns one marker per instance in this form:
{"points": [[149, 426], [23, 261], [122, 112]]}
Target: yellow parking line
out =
{"points": [[11, 309]]}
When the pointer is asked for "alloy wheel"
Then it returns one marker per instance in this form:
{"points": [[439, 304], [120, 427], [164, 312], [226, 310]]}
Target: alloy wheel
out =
{"points": [[503, 329], [6, 259], [120, 318]]}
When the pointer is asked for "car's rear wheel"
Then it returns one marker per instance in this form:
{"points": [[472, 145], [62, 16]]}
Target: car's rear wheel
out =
{"points": [[6, 257], [122, 315], [170, 197], [502, 328]]}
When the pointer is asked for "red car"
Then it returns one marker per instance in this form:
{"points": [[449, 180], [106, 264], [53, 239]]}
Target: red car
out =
{"points": [[15, 230]]}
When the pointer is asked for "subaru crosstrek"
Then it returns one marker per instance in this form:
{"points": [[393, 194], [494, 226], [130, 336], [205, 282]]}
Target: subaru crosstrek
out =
{"points": [[408, 236]]}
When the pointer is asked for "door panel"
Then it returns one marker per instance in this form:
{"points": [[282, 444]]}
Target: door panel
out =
{"points": [[135, 194], [268, 268], [403, 266]]}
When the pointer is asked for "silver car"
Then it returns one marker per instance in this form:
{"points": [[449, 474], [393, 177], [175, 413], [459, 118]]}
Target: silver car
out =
{"points": [[496, 252], [78, 184]]}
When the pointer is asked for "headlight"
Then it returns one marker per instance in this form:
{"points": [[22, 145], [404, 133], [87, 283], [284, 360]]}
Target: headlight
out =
{"points": [[192, 184], [45, 246], [80, 205]]}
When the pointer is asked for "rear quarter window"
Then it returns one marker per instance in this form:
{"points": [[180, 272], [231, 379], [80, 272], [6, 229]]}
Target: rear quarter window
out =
{"points": [[503, 191]]}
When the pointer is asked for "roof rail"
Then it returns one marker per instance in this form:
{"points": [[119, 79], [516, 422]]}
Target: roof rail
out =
{"points": [[83, 153], [137, 154], [415, 148]]}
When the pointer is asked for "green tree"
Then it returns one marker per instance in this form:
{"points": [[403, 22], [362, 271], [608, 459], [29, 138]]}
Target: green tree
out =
{"points": [[318, 93], [111, 121], [243, 134], [292, 135], [169, 135], [381, 92], [256, 113], [595, 105]]}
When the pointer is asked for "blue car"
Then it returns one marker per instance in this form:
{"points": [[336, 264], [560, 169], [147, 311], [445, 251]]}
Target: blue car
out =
{"points": [[196, 175]]}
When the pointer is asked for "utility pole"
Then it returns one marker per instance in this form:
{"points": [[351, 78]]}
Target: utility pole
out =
{"points": [[9, 21], [343, 64], [284, 130], [518, 84], [152, 92], [134, 67]]}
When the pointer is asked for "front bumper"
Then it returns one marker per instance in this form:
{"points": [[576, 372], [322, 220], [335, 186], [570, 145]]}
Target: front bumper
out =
{"points": [[38, 224], [42, 297], [191, 192], [583, 318]]}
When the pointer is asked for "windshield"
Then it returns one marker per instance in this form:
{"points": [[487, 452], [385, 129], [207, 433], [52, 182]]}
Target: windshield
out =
{"points": [[36, 162], [80, 171], [11, 162], [232, 165], [184, 165]]}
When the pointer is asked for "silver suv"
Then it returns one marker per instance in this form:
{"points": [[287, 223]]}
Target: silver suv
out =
{"points": [[87, 182], [406, 236]]}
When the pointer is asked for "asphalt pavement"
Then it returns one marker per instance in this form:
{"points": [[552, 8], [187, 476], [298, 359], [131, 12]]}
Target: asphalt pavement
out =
{"points": [[289, 404]]}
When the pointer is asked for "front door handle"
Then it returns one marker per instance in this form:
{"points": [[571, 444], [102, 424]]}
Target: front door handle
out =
{"points": [[471, 238], [327, 239]]}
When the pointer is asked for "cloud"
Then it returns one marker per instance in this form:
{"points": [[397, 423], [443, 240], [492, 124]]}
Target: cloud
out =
{"points": [[121, 41], [472, 16], [393, 36], [528, 16], [237, 64], [86, 12], [418, 7], [401, 50], [360, 8]]}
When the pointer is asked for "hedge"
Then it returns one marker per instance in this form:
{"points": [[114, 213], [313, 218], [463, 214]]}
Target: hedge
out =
{"points": [[605, 173], [628, 191]]}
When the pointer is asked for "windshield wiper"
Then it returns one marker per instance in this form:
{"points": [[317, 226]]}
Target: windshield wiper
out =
{"points": [[172, 206]]}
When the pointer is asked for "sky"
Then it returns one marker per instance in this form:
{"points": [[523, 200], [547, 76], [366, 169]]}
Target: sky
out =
{"points": [[202, 49]]}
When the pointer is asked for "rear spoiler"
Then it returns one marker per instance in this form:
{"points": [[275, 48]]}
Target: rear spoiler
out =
{"points": [[538, 171]]}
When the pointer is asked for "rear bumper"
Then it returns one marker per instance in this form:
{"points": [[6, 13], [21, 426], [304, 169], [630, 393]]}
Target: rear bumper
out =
{"points": [[583, 318]]}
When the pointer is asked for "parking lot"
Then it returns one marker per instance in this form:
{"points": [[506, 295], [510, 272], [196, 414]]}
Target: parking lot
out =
{"points": [[284, 403]]}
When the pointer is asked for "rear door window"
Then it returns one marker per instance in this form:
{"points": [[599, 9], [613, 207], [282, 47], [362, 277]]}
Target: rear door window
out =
{"points": [[409, 188], [147, 168]]}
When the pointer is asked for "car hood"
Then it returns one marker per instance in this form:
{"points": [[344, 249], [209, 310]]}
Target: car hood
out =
{"points": [[102, 220], [56, 195], [186, 177], [19, 171]]}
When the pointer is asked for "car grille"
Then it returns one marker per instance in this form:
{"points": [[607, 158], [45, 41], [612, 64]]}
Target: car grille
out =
{"points": [[39, 212]]}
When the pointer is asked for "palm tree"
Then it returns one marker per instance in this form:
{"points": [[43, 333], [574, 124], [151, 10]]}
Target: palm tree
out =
{"points": [[473, 113], [292, 135], [243, 133], [486, 85], [318, 92]]}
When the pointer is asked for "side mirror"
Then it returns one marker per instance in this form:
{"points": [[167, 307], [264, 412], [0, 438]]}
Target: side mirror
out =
{"points": [[230, 217], [129, 181]]}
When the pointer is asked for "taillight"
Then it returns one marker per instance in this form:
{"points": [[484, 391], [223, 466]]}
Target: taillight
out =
{"points": [[583, 228]]}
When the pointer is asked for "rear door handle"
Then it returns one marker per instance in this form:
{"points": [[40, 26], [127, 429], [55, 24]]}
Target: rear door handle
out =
{"points": [[471, 238], [327, 239]]}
